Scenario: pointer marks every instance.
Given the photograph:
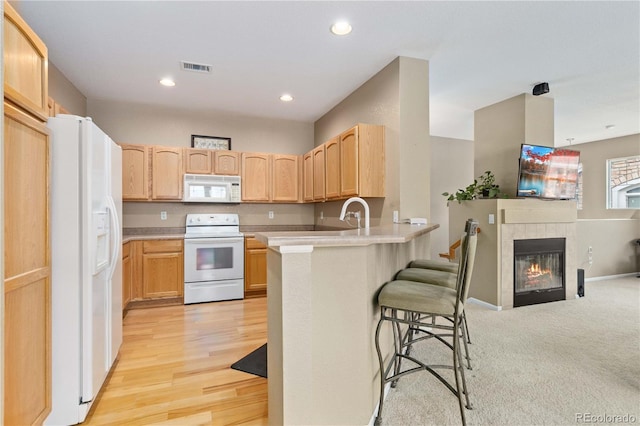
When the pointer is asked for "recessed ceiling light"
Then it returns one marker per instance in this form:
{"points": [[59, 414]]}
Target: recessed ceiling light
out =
{"points": [[167, 82], [341, 28], [286, 98]]}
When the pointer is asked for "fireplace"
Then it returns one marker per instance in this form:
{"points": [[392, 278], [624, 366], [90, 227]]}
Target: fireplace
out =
{"points": [[539, 271]]}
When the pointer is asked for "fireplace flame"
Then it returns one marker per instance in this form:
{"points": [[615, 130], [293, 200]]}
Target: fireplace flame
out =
{"points": [[535, 271]]}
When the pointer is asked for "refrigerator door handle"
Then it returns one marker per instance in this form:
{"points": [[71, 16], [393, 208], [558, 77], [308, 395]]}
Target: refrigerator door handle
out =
{"points": [[115, 233]]}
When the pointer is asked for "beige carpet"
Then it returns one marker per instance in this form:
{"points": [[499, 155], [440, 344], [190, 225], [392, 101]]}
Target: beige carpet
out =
{"points": [[560, 363]]}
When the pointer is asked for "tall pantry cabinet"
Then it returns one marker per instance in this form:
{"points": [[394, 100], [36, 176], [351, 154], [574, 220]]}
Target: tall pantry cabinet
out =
{"points": [[27, 260]]}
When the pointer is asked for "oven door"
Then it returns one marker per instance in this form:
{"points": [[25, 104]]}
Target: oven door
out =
{"points": [[213, 259]]}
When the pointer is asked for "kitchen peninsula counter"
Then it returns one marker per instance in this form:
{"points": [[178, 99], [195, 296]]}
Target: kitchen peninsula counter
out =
{"points": [[396, 233], [322, 313]]}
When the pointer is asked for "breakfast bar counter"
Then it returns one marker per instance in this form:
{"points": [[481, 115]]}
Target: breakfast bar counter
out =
{"points": [[322, 313]]}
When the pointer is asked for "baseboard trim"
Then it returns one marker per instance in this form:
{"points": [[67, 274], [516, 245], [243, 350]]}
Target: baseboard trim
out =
{"points": [[609, 277], [372, 420], [484, 304]]}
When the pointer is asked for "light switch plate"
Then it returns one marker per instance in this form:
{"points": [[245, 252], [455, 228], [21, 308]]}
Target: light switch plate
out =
{"points": [[492, 219]]}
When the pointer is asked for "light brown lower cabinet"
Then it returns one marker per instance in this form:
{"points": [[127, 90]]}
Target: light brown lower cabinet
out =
{"points": [[126, 274], [255, 268], [157, 269]]}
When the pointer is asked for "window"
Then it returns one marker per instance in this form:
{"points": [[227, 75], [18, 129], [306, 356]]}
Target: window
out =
{"points": [[623, 183]]}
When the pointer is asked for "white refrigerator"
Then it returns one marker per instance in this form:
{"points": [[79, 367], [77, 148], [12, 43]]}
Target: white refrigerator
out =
{"points": [[86, 262]]}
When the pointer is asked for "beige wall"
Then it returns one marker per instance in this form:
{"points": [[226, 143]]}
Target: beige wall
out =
{"points": [[593, 156], [610, 232], [451, 168], [65, 93], [153, 125], [398, 98], [501, 128]]}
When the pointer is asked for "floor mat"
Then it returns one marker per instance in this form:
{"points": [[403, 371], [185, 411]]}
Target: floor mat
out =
{"points": [[254, 363]]}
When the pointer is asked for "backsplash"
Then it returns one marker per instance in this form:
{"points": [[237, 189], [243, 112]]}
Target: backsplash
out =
{"points": [[147, 214]]}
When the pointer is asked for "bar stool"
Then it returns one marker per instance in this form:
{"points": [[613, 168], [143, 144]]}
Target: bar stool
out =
{"points": [[413, 307], [424, 271]]}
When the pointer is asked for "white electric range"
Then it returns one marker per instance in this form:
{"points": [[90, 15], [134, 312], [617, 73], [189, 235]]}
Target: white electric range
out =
{"points": [[213, 258]]}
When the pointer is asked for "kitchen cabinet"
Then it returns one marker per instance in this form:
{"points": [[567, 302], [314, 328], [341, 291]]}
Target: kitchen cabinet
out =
{"points": [[332, 168], [226, 163], [55, 108], [255, 268], [206, 162], [362, 161], [318, 173], [135, 172], [126, 274], [307, 176], [197, 161], [25, 66], [166, 173], [162, 269], [27, 260], [285, 186], [256, 177]]}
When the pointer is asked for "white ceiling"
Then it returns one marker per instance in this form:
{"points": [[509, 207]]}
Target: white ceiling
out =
{"points": [[479, 53]]}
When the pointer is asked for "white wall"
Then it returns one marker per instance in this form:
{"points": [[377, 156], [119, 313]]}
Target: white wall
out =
{"points": [[451, 169]]}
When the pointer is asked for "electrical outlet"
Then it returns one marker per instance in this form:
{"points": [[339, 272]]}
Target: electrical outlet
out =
{"points": [[492, 219], [163, 215], [270, 214], [396, 217]]}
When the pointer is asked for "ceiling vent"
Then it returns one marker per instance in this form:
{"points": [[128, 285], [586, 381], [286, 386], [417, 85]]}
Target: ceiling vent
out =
{"points": [[192, 66]]}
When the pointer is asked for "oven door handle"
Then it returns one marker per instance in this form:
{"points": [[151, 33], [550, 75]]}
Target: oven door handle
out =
{"points": [[215, 240]]}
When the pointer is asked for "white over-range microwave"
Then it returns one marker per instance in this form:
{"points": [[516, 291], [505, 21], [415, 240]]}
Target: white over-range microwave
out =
{"points": [[211, 189]]}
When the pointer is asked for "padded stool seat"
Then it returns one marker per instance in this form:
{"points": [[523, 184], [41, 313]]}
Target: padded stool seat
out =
{"points": [[428, 276], [418, 297], [437, 265]]}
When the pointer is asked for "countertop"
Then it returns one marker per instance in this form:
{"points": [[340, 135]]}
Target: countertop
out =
{"points": [[386, 234]]}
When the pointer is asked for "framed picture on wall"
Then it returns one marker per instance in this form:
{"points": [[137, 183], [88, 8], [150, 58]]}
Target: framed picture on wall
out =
{"points": [[210, 142]]}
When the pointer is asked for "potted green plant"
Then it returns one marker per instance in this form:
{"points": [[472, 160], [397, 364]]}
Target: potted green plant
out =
{"points": [[484, 186]]}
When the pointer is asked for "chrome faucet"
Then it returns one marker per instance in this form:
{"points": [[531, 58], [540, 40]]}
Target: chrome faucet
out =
{"points": [[364, 204]]}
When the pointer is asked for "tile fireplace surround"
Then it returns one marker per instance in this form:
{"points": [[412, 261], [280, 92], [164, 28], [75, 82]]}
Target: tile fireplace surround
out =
{"points": [[517, 219]]}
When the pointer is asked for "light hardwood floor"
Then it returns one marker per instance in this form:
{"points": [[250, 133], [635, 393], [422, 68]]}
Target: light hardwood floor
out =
{"points": [[174, 367]]}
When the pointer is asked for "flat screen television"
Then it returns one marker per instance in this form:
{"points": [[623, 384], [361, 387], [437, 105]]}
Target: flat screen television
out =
{"points": [[547, 172]]}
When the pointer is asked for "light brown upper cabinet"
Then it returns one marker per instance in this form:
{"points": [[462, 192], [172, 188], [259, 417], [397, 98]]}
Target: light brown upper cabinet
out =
{"points": [[362, 161], [318, 173], [55, 108], [166, 173], [25, 65], [256, 177], [307, 176], [332, 168], [135, 172], [226, 163], [197, 161], [285, 185]]}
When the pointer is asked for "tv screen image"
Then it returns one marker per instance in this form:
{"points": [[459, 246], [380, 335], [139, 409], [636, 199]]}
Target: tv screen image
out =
{"points": [[547, 172]]}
